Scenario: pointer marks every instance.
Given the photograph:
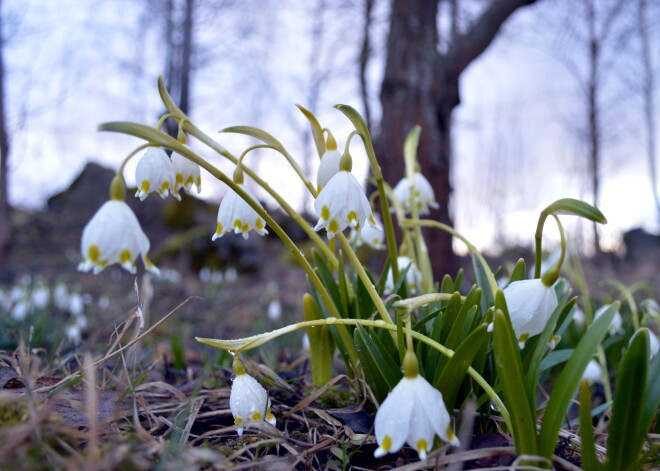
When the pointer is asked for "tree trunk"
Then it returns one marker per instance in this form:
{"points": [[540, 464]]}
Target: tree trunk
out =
{"points": [[5, 209], [420, 86]]}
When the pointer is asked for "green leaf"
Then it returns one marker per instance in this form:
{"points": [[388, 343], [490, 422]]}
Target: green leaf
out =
{"points": [[569, 379], [377, 359], [577, 208], [317, 130], [509, 371], [588, 459], [519, 272], [652, 391], [626, 436], [256, 133], [487, 295], [361, 127], [555, 358], [449, 381]]}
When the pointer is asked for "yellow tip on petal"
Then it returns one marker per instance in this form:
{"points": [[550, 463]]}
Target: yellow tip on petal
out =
{"points": [[256, 416], [325, 213], [387, 444], [145, 186], [93, 253], [125, 256], [333, 226]]}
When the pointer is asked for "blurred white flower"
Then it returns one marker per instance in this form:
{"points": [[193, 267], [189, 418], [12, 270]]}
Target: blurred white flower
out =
{"points": [[530, 304], [186, 173], [40, 296], [76, 304], [369, 235], [593, 372], [616, 326], [235, 214], [413, 276], [274, 310], [413, 412], [342, 203], [154, 172], [230, 275], [73, 333], [114, 235], [104, 302], [328, 167], [422, 193], [20, 310], [578, 317], [655, 344], [305, 342], [249, 401]]}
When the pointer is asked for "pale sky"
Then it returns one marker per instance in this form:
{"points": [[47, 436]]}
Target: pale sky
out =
{"points": [[73, 64]]}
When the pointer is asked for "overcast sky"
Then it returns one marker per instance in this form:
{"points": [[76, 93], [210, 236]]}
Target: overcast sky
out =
{"points": [[73, 64]]}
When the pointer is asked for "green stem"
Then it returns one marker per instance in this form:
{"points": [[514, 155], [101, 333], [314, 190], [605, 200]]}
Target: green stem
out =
{"points": [[120, 171], [418, 301], [195, 131], [538, 237], [257, 340], [390, 236], [362, 274], [605, 377]]}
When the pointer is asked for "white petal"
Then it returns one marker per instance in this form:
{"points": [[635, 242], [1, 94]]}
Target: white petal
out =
{"points": [[393, 418], [328, 167], [154, 167], [530, 304]]}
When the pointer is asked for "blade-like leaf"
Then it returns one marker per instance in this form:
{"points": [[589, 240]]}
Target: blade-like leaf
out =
{"points": [[509, 371], [256, 133], [569, 379], [317, 130], [625, 438], [519, 271], [588, 459], [481, 277], [577, 208]]}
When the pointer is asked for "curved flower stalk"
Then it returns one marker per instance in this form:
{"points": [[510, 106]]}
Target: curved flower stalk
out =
{"points": [[248, 399], [154, 172], [114, 235], [414, 412]]}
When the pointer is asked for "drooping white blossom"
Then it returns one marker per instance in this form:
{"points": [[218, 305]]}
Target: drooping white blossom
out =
{"points": [[154, 172], [414, 412], [342, 204], [328, 167], [413, 276], [369, 235], [593, 372], [421, 191], [530, 304], [186, 174], [249, 401], [114, 235], [235, 214]]}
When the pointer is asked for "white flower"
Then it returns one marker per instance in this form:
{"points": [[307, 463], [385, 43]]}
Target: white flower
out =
{"points": [[40, 296], [249, 401], [274, 310], [413, 412], [186, 174], [20, 310], [616, 326], [154, 172], [369, 235], [530, 305], [342, 203], [76, 304], [234, 213], [422, 191], [114, 235], [593, 372], [328, 167], [413, 276], [578, 317]]}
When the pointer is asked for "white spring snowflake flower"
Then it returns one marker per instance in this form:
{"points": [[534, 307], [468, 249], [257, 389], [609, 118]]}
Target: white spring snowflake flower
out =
{"points": [[414, 412], [249, 401], [341, 204], [186, 174], [114, 235], [422, 192], [154, 172], [274, 310], [593, 373], [234, 213], [328, 167], [616, 326], [413, 276], [530, 304], [369, 235]]}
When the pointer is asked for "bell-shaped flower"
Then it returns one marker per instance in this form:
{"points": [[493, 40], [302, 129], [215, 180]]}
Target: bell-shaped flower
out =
{"points": [[593, 373], [616, 326], [249, 401], [235, 214], [414, 413], [328, 167], [154, 172], [530, 304], [342, 203], [186, 174], [114, 235], [421, 191], [413, 276], [369, 235]]}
